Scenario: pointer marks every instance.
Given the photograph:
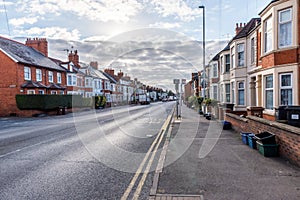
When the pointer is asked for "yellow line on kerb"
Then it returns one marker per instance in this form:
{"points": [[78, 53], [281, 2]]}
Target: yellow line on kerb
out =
{"points": [[158, 139]]}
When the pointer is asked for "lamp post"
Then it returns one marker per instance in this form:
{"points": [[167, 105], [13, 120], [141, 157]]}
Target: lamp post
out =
{"points": [[203, 50], [203, 46]]}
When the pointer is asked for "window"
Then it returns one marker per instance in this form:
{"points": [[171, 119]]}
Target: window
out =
{"points": [[227, 92], [58, 77], [286, 89], [268, 35], [215, 92], [233, 92], [38, 75], [53, 92], [252, 50], [269, 92], [215, 71], [232, 58], [285, 28], [30, 92], [221, 93], [50, 76], [41, 92], [241, 93], [227, 63], [27, 73], [71, 80], [241, 54], [87, 82], [221, 65]]}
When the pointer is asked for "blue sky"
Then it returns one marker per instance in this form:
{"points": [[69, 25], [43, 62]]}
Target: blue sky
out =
{"points": [[121, 32]]}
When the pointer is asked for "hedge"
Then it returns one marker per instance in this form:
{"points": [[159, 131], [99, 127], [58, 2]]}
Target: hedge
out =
{"points": [[51, 102]]}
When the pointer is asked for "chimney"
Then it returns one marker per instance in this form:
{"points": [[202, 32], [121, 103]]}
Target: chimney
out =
{"points": [[40, 44], [94, 64], [239, 27], [111, 72], [120, 74], [73, 57]]}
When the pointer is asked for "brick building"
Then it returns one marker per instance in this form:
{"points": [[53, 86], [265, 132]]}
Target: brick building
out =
{"points": [[26, 69], [260, 65]]}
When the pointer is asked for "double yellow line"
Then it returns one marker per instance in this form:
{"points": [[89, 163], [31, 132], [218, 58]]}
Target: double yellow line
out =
{"points": [[155, 145]]}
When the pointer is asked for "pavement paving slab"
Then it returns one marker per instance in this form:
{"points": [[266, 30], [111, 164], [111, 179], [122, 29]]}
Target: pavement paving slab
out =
{"points": [[231, 170]]}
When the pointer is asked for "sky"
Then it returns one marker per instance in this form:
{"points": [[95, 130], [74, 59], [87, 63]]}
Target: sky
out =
{"points": [[155, 41]]}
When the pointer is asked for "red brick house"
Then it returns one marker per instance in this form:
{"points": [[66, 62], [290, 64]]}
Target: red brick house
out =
{"points": [[26, 69]]}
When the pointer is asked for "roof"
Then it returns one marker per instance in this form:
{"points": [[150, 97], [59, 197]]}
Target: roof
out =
{"points": [[247, 28], [109, 77], [27, 55], [267, 6]]}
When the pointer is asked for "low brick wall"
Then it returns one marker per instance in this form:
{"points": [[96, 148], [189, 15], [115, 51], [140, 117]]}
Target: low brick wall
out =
{"points": [[288, 137]]}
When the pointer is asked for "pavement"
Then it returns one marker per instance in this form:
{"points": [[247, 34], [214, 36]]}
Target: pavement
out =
{"points": [[202, 161]]}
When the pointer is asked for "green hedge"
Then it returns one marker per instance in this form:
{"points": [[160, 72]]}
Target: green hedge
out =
{"points": [[51, 102]]}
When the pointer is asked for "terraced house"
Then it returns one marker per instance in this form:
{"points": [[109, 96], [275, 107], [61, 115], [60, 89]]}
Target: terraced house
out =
{"points": [[260, 66], [26, 69]]}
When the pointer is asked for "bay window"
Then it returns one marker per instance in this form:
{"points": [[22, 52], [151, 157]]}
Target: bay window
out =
{"points": [[269, 92], [285, 28], [286, 89]]}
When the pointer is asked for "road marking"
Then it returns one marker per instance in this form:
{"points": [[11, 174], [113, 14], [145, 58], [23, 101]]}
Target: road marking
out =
{"points": [[139, 170]]}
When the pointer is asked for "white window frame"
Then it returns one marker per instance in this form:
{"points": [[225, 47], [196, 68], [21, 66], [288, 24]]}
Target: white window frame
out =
{"points": [[241, 54], [27, 73], [267, 89], [241, 89], [290, 87], [232, 58], [284, 36], [227, 63], [41, 92], [227, 93], [30, 91], [215, 92], [214, 70], [58, 77], [39, 75], [268, 40], [233, 92], [253, 50], [50, 76], [53, 92]]}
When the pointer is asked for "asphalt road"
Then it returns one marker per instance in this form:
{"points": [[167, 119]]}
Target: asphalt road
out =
{"points": [[87, 155]]}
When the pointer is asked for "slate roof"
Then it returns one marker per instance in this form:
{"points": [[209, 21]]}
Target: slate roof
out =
{"points": [[247, 28], [32, 84], [109, 77], [27, 55]]}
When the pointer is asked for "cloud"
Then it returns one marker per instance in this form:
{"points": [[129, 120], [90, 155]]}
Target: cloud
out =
{"points": [[53, 32], [23, 20], [164, 25], [101, 10], [177, 8]]}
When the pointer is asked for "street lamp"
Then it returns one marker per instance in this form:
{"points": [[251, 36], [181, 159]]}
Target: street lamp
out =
{"points": [[203, 46]]}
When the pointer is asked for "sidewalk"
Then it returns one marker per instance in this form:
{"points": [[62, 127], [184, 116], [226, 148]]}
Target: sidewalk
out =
{"points": [[231, 170]]}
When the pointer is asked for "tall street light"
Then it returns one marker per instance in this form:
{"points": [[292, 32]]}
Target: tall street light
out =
{"points": [[203, 44]]}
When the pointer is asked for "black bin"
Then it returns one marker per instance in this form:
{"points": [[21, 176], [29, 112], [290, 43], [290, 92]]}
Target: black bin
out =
{"points": [[293, 115], [265, 138], [281, 113]]}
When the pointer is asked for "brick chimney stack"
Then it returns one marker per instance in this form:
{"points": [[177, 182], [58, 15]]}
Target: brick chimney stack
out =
{"points": [[120, 74], [73, 57], [239, 27], [111, 72], [40, 44]]}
